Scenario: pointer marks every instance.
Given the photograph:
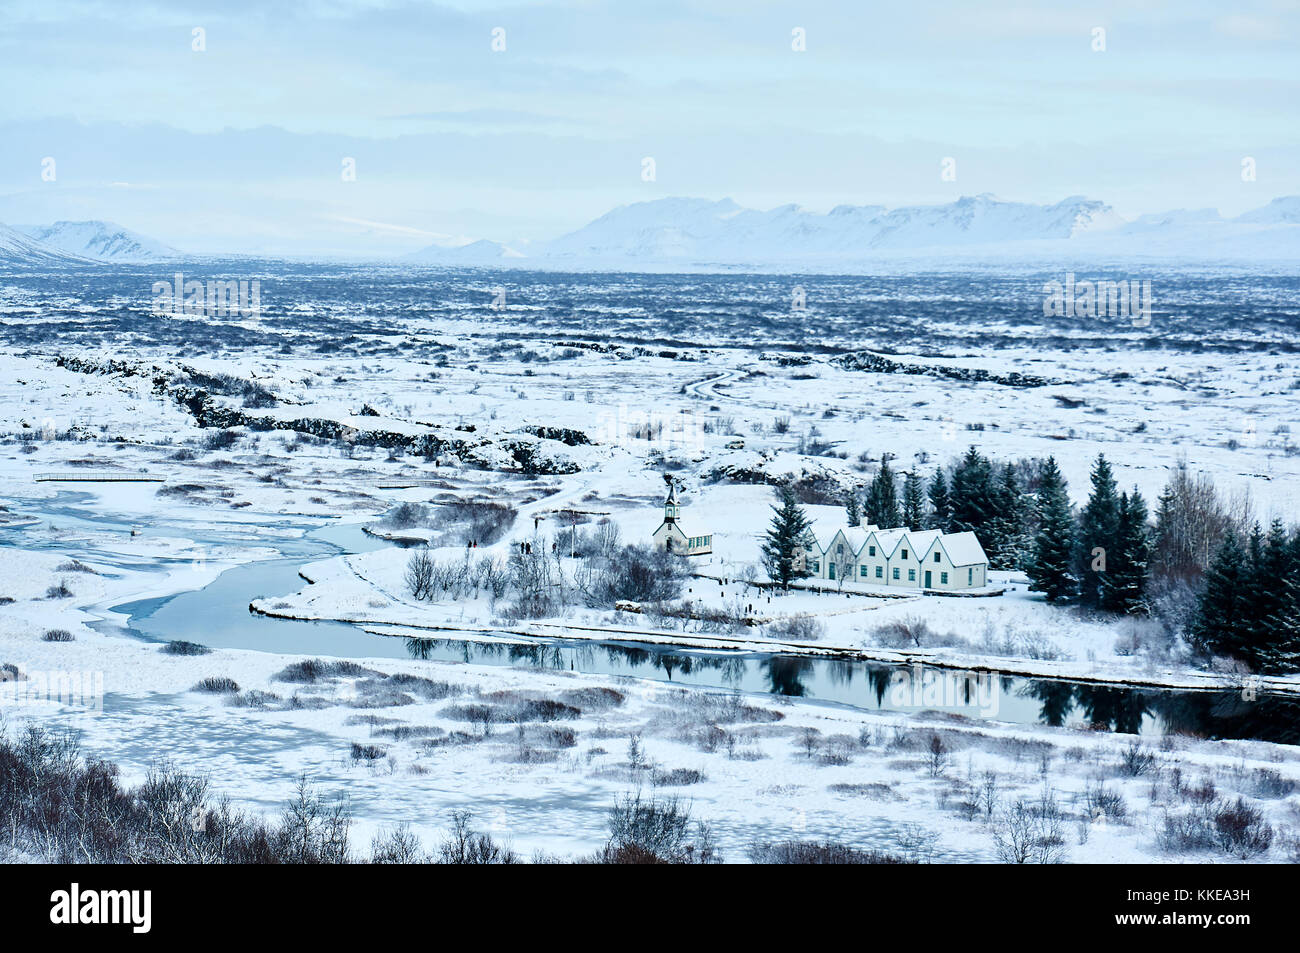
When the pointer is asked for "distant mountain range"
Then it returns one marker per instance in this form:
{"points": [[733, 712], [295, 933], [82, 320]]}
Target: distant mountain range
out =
{"points": [[700, 232]]}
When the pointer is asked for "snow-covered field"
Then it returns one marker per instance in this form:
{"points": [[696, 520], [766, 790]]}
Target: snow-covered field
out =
{"points": [[432, 406]]}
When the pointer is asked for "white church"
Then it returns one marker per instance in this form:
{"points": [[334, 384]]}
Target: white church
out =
{"points": [[917, 559], [673, 537]]}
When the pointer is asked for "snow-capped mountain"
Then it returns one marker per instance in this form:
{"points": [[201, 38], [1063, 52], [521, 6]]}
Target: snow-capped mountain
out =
{"points": [[17, 248], [690, 232], [723, 231], [1280, 211], [101, 241]]}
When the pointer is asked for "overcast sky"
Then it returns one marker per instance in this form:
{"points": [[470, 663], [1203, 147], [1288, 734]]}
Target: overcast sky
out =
{"points": [[240, 146]]}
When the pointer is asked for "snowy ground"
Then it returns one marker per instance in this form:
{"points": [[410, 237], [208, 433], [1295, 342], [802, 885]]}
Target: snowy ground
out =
{"points": [[865, 779]]}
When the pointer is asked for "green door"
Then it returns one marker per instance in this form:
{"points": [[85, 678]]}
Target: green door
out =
{"points": [[927, 579], [830, 567]]}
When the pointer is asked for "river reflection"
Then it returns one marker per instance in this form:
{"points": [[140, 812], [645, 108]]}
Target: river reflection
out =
{"points": [[1210, 714]]}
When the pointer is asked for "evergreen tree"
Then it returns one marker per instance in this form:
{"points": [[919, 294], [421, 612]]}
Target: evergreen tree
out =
{"points": [[1052, 558], [786, 540], [1005, 530], [882, 498], [1218, 627], [1124, 582], [1286, 620], [851, 507], [913, 501], [1098, 530], [1276, 596], [971, 495], [940, 507]]}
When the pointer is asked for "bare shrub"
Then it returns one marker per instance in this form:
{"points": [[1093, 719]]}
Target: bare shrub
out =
{"points": [[800, 627], [419, 574], [466, 846], [217, 684], [937, 755], [58, 635], [677, 777], [61, 807], [180, 647], [397, 846], [636, 573], [313, 670], [1101, 801], [406, 516], [1239, 829], [911, 632], [655, 831], [362, 752], [1027, 833], [1136, 760], [313, 830], [819, 852]]}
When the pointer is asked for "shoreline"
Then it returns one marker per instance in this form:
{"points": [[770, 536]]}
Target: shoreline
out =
{"points": [[1066, 672]]}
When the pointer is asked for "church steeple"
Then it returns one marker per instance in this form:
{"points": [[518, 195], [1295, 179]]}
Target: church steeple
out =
{"points": [[672, 508]]}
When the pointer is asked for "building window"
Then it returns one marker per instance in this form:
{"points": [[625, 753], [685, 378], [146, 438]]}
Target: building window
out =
{"points": [[862, 571], [936, 557], [817, 565], [943, 578], [871, 550], [911, 575], [905, 554], [970, 577], [895, 573], [880, 571]]}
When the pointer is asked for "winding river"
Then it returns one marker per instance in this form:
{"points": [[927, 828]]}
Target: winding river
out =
{"points": [[217, 615]]}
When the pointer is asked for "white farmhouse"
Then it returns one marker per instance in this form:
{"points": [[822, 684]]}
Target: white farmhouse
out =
{"points": [[670, 535], [915, 559]]}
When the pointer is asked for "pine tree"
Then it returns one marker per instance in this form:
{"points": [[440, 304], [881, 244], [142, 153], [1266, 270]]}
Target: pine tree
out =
{"points": [[851, 507], [1098, 530], [1285, 623], [1125, 580], [1052, 559], [789, 535], [913, 501], [972, 497], [1276, 595], [882, 498], [1005, 530], [1217, 628], [940, 507]]}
